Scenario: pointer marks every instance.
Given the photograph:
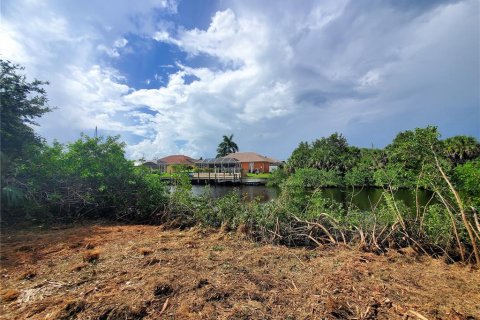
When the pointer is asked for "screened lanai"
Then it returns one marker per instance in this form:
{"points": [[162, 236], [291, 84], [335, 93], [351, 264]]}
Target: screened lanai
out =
{"points": [[230, 165]]}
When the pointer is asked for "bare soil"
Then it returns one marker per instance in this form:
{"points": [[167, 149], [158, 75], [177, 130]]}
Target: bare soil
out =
{"points": [[146, 272]]}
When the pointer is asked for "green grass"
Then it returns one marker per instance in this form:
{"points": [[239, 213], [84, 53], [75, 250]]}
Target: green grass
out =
{"points": [[260, 175]]}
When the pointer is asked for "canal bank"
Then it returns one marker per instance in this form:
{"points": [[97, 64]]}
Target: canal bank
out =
{"points": [[365, 199], [246, 192]]}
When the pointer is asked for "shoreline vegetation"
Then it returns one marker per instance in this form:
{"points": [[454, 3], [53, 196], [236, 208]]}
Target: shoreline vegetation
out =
{"points": [[91, 179]]}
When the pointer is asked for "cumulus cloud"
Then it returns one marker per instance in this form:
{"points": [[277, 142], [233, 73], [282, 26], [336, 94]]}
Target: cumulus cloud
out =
{"points": [[64, 44], [228, 38], [277, 72], [100, 103], [299, 74], [219, 100]]}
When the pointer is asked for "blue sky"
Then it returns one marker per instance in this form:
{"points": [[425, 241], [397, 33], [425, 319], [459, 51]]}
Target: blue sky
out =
{"points": [[174, 76]]}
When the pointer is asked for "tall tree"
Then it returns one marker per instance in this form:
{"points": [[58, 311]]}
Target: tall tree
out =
{"points": [[411, 156], [331, 153], [301, 156], [227, 146], [21, 102], [413, 148], [460, 149]]}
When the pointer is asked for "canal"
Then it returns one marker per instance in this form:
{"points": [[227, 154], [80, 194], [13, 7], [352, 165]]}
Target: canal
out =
{"points": [[362, 198], [247, 192]]}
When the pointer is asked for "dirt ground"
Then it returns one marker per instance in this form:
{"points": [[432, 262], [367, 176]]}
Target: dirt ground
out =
{"points": [[145, 272]]}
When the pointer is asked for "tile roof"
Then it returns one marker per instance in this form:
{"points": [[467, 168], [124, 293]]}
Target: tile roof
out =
{"points": [[251, 157], [154, 162], [178, 159]]}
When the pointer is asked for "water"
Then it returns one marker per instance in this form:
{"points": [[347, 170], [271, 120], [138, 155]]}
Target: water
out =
{"points": [[363, 198], [368, 198], [249, 193]]}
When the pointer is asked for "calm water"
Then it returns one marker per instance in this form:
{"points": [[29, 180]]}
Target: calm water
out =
{"points": [[367, 198], [247, 192], [364, 198]]}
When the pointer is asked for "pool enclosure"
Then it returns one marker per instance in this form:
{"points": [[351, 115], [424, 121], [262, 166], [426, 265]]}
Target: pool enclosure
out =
{"points": [[219, 165]]}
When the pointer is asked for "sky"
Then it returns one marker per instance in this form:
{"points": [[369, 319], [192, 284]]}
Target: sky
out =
{"points": [[174, 76]]}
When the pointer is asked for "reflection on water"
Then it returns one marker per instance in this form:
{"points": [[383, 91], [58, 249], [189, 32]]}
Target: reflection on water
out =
{"points": [[249, 193], [362, 198], [368, 198]]}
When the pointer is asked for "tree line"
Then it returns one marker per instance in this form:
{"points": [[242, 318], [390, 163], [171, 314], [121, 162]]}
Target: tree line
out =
{"points": [[407, 162]]}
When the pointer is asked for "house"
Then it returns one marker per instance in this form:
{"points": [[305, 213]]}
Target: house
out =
{"points": [[174, 162], [252, 162], [153, 165], [219, 165]]}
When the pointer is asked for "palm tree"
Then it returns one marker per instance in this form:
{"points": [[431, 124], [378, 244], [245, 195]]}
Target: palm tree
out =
{"points": [[461, 149], [227, 146]]}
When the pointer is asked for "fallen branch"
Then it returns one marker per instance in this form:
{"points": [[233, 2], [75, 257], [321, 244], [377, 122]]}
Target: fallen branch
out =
{"points": [[165, 305], [329, 235], [312, 238], [414, 314]]}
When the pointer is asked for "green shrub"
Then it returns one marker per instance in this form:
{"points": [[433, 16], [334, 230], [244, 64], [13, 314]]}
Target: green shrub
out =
{"points": [[227, 210], [359, 176], [277, 177], [181, 199], [152, 194], [437, 226], [89, 178], [467, 177], [314, 178], [394, 175], [318, 205]]}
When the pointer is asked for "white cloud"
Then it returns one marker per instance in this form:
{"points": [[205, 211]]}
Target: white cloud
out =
{"points": [[228, 38], [162, 36], [63, 43], [277, 73], [120, 43], [99, 102], [10, 47], [331, 66], [218, 100], [270, 102], [113, 51]]}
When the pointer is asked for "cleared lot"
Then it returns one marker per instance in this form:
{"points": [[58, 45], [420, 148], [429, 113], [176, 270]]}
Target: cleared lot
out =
{"points": [[145, 272]]}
